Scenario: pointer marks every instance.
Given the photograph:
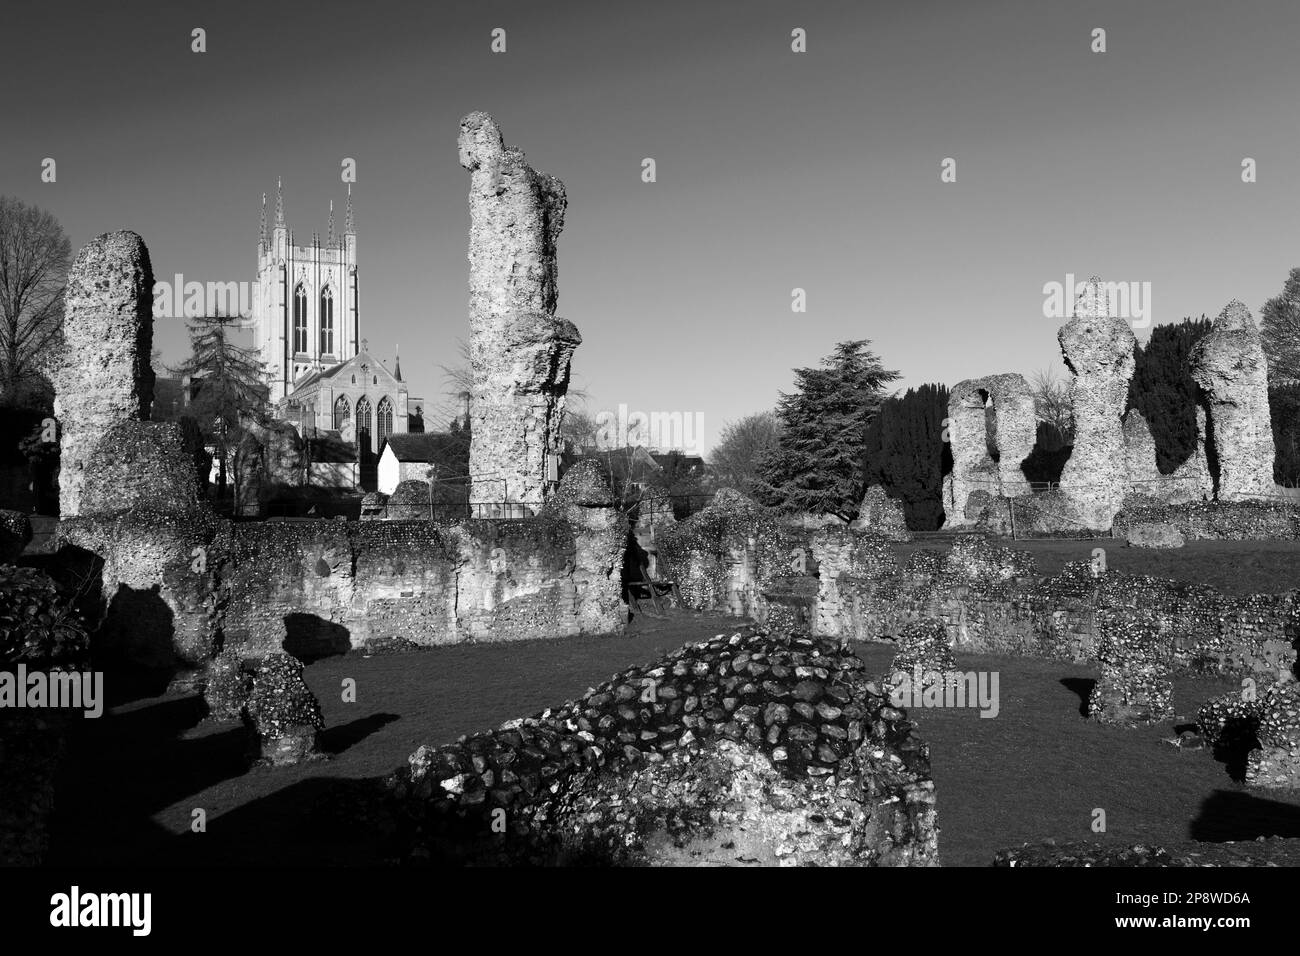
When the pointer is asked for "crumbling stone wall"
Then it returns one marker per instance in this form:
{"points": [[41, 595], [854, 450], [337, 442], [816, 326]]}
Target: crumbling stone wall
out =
{"points": [[140, 465], [324, 587], [1250, 520], [270, 458], [405, 583], [755, 749], [1098, 349], [992, 600], [104, 376], [156, 584], [1230, 367], [584, 501], [1015, 426], [726, 555], [285, 585], [519, 349]]}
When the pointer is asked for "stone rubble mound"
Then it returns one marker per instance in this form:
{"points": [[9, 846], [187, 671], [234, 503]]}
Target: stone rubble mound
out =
{"points": [[758, 748]]}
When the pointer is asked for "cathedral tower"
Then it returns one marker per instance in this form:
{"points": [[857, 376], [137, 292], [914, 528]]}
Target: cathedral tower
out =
{"points": [[306, 300]]}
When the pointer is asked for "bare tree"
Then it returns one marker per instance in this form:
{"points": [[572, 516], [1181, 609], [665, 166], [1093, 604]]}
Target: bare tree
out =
{"points": [[1280, 328], [34, 258], [1052, 401], [458, 387], [741, 444]]}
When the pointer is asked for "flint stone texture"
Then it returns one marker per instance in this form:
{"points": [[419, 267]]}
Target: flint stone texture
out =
{"points": [[15, 535], [1276, 762], [283, 712], [104, 376], [140, 465], [1134, 687], [882, 515], [1190, 481], [725, 556], [585, 502], [706, 757], [1230, 367], [520, 351], [1014, 425], [1098, 349]]}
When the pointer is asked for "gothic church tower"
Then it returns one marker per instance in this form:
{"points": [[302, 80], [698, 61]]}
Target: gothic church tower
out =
{"points": [[306, 301]]}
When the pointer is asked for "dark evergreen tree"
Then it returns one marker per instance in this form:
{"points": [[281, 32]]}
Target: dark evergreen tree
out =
{"points": [[1162, 389], [1284, 408], [905, 453], [817, 464], [227, 382], [1050, 453]]}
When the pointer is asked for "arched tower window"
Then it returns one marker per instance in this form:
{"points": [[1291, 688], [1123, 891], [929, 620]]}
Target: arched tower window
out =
{"points": [[342, 412], [364, 424], [385, 419], [299, 319], [327, 321]]}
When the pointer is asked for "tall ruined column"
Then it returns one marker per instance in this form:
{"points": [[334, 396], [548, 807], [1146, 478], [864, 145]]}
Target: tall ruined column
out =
{"points": [[519, 349], [1229, 366], [1098, 349], [105, 376]]}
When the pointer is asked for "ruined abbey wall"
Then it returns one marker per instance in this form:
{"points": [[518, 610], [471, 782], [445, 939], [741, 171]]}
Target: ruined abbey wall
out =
{"points": [[1014, 430], [326, 587], [1113, 460], [993, 600]]}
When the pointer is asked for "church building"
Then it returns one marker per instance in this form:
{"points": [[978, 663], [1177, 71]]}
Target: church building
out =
{"points": [[306, 314], [306, 301]]}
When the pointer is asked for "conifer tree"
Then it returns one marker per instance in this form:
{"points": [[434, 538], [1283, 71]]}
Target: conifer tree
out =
{"points": [[817, 464], [227, 382], [905, 453], [1163, 390]]}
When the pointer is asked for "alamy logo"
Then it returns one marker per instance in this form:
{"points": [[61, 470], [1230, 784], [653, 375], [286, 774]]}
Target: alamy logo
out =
{"points": [[179, 299], [661, 431], [58, 689], [75, 909], [947, 689], [1125, 300]]}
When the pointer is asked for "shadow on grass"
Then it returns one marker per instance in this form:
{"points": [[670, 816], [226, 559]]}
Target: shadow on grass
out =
{"points": [[335, 740], [1082, 686], [1232, 815]]}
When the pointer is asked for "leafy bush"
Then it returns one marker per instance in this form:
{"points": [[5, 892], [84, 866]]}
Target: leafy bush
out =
{"points": [[38, 625]]}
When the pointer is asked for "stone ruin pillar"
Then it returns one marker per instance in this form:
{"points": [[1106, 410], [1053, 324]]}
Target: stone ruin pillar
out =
{"points": [[104, 376], [519, 349], [1015, 429], [1098, 349], [1229, 366]]}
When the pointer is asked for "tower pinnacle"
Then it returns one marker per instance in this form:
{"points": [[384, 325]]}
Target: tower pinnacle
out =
{"points": [[329, 240], [279, 204], [348, 227]]}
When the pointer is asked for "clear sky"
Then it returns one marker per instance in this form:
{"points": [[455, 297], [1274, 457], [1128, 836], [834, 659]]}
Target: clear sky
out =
{"points": [[776, 170]]}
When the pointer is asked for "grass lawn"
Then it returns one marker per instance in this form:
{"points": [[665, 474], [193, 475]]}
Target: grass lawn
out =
{"points": [[1233, 567], [1035, 772]]}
